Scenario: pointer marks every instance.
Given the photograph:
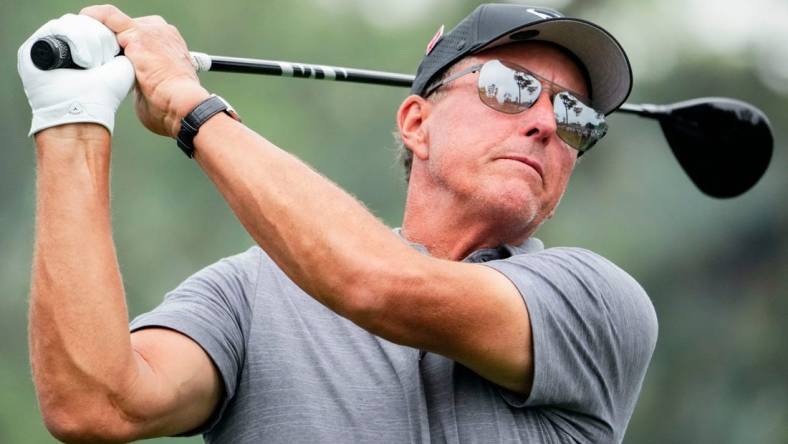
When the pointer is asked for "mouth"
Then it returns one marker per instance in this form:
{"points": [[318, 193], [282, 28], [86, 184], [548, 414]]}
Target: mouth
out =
{"points": [[527, 161]]}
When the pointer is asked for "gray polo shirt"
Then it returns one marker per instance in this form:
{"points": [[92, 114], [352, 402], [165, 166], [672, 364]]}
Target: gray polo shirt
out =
{"points": [[295, 372]]}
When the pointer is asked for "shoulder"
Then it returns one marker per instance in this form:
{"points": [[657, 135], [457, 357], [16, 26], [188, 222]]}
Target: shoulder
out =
{"points": [[225, 286], [603, 281], [586, 278], [594, 283], [594, 332], [252, 258], [241, 269]]}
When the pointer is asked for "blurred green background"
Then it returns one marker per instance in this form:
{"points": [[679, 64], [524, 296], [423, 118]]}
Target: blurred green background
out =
{"points": [[715, 269]]}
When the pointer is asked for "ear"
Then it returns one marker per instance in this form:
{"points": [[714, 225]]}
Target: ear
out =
{"points": [[411, 119]]}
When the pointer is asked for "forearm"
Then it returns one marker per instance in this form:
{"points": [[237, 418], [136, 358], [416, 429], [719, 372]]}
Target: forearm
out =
{"points": [[322, 237], [341, 255], [79, 338]]}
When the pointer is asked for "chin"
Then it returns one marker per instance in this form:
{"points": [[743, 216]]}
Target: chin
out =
{"points": [[514, 206]]}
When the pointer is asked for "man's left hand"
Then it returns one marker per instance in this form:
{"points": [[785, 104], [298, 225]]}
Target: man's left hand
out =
{"points": [[167, 83]]}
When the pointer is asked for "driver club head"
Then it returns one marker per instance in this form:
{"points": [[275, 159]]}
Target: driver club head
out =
{"points": [[724, 145]]}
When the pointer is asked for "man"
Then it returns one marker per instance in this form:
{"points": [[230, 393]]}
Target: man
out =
{"points": [[459, 327]]}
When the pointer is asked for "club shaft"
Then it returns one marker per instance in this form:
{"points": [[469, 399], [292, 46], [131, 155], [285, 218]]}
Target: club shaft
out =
{"points": [[207, 62], [643, 110], [215, 63]]}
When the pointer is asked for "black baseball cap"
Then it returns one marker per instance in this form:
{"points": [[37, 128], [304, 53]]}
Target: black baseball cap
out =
{"points": [[492, 25]]}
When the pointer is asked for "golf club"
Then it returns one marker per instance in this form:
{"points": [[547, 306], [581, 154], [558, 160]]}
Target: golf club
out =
{"points": [[724, 145]]}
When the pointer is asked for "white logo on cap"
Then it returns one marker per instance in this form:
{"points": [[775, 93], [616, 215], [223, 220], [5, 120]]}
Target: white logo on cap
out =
{"points": [[544, 14]]}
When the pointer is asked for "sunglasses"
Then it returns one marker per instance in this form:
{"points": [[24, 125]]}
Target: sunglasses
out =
{"points": [[512, 89]]}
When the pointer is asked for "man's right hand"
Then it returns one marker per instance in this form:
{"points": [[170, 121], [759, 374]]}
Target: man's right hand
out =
{"points": [[167, 83], [63, 96]]}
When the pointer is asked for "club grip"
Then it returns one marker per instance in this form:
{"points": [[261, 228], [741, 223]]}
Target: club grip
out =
{"points": [[51, 53]]}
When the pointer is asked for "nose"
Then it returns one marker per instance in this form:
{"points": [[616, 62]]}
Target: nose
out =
{"points": [[538, 122]]}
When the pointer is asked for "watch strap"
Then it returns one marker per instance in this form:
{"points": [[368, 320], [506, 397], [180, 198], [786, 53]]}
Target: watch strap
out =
{"points": [[191, 123]]}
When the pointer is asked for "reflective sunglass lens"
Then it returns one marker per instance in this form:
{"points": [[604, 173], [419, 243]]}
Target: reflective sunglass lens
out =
{"points": [[579, 125], [511, 90], [506, 89]]}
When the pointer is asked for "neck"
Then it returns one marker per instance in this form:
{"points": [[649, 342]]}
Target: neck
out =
{"points": [[452, 231]]}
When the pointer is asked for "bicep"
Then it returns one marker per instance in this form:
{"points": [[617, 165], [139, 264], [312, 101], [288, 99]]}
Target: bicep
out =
{"points": [[177, 386], [469, 313]]}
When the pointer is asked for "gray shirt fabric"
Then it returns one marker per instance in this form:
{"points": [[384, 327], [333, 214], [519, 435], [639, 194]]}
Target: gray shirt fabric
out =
{"points": [[293, 371]]}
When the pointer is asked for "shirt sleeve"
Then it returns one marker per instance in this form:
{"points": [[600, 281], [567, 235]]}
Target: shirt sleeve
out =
{"points": [[213, 307], [594, 330]]}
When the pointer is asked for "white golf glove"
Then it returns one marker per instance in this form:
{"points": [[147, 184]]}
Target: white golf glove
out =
{"points": [[63, 96]]}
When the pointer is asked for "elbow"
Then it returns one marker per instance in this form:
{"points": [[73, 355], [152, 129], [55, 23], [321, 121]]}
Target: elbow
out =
{"points": [[82, 425], [64, 427]]}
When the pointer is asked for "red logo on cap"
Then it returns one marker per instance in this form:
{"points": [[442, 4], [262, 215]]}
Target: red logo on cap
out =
{"points": [[434, 40]]}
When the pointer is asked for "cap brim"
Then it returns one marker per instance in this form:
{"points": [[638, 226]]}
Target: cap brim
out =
{"points": [[601, 54]]}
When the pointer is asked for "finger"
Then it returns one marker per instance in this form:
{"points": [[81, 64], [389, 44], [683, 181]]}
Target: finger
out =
{"points": [[44, 30], [126, 37], [112, 17], [24, 62], [121, 72], [91, 43], [151, 20]]}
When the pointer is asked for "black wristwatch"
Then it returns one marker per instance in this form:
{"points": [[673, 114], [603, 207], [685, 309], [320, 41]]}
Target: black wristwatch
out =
{"points": [[191, 124]]}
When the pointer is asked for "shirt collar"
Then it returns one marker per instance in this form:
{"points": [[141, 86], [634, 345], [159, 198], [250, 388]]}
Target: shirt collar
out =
{"points": [[531, 245]]}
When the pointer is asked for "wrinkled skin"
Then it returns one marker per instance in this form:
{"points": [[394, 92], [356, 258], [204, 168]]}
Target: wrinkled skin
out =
{"points": [[492, 176]]}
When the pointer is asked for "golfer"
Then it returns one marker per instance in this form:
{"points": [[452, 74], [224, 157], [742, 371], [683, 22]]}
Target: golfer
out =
{"points": [[460, 326]]}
